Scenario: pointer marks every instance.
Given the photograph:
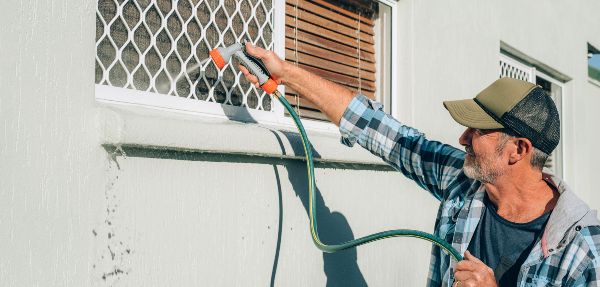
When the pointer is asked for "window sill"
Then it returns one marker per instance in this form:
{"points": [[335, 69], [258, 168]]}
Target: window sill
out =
{"points": [[594, 82], [135, 126]]}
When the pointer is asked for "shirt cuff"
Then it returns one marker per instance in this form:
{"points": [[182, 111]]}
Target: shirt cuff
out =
{"points": [[356, 118]]}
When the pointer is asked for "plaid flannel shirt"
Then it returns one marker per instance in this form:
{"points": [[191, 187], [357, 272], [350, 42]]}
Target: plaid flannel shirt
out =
{"points": [[566, 255]]}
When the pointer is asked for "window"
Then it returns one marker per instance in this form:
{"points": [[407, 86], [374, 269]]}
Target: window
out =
{"points": [[510, 67], [594, 63], [150, 50], [555, 90], [153, 53], [347, 42]]}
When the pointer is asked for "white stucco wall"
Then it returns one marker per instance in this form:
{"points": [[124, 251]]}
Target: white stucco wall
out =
{"points": [[205, 202], [451, 49], [52, 166]]}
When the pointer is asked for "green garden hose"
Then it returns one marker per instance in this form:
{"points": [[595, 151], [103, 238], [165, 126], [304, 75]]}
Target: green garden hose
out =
{"points": [[313, 210], [221, 56]]}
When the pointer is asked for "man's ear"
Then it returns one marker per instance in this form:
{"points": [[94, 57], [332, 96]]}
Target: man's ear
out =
{"points": [[523, 149]]}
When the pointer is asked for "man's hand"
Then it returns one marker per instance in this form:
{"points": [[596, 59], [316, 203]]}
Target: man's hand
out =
{"points": [[329, 97], [274, 64], [471, 272]]}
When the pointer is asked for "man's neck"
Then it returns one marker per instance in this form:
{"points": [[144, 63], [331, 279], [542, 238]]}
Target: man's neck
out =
{"points": [[522, 197]]}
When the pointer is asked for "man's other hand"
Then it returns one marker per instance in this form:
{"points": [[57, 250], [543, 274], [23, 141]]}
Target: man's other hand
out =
{"points": [[471, 272]]}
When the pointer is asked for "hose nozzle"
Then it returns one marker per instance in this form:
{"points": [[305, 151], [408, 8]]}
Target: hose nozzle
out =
{"points": [[222, 55]]}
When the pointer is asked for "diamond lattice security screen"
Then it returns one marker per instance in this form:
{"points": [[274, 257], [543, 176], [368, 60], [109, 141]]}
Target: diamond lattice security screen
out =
{"points": [[158, 46], [514, 69]]}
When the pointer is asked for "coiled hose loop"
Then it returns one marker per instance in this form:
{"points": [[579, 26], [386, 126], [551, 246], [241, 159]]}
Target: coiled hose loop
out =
{"points": [[313, 210]]}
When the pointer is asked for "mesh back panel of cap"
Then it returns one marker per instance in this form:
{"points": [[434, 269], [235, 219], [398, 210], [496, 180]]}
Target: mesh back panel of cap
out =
{"points": [[536, 118]]}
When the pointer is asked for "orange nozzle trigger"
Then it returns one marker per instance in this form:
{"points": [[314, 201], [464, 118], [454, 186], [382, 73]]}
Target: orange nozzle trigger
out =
{"points": [[217, 59], [270, 86]]}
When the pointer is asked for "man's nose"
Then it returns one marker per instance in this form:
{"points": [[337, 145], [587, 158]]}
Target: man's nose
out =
{"points": [[465, 138]]}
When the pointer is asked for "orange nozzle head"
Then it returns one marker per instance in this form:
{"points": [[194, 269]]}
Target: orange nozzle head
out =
{"points": [[269, 86], [217, 59]]}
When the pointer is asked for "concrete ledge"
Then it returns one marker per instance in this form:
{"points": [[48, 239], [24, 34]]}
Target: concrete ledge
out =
{"points": [[125, 125]]}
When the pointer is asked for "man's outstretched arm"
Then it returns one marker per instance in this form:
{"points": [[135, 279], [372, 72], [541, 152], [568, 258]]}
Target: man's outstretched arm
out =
{"points": [[430, 164], [332, 99]]}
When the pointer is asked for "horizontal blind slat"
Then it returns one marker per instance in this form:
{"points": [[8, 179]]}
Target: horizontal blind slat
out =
{"points": [[291, 97], [291, 94], [326, 33], [343, 11], [312, 114], [319, 41], [332, 15], [332, 43], [340, 79], [327, 54], [329, 65], [319, 20]]}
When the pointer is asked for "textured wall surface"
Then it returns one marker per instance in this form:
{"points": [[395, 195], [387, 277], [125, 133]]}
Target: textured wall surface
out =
{"points": [[224, 221], [52, 165], [450, 51], [92, 195]]}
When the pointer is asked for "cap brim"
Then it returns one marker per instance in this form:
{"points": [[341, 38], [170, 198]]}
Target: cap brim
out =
{"points": [[471, 115]]}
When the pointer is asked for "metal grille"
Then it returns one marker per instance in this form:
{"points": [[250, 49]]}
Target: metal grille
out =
{"points": [[159, 46], [511, 68]]}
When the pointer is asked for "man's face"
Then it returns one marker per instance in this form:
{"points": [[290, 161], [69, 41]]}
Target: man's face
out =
{"points": [[484, 160]]}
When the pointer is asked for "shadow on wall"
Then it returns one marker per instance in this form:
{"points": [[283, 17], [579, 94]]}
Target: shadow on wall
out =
{"points": [[341, 268]]}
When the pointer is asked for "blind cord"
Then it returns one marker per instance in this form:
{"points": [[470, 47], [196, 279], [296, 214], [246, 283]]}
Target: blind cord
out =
{"points": [[358, 55], [296, 51]]}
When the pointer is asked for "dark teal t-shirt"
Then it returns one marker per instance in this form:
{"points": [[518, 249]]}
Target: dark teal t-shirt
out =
{"points": [[503, 245]]}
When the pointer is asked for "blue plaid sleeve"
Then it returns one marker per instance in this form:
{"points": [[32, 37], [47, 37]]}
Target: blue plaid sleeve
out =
{"points": [[592, 272], [580, 263], [592, 275], [431, 164]]}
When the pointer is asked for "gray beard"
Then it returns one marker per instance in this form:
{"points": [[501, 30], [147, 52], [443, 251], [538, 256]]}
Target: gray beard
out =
{"points": [[473, 169]]}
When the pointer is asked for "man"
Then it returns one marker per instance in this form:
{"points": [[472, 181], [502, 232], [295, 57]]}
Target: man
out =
{"points": [[516, 225]]}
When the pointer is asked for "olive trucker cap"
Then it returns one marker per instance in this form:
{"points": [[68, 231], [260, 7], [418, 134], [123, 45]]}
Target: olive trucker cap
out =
{"points": [[512, 104]]}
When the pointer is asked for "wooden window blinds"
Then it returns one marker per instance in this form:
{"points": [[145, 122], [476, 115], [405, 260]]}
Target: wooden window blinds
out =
{"points": [[333, 39]]}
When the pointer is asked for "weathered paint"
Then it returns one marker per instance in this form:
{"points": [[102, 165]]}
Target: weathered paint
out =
{"points": [[205, 220]]}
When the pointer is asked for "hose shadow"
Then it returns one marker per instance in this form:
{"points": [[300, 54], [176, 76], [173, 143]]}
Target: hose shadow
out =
{"points": [[279, 227], [341, 268]]}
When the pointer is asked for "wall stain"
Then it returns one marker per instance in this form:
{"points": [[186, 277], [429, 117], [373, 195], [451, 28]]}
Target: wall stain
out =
{"points": [[112, 262]]}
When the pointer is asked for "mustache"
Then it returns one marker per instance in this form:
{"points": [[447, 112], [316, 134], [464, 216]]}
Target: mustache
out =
{"points": [[469, 150]]}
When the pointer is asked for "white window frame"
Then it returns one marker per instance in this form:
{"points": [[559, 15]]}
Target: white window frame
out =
{"points": [[590, 79], [558, 154], [393, 57], [124, 96]]}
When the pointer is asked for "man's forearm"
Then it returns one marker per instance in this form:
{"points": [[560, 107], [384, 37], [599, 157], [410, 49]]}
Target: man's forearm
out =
{"points": [[332, 99]]}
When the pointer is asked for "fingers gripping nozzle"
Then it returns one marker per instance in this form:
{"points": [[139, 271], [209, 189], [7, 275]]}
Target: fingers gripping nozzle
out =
{"points": [[222, 55]]}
